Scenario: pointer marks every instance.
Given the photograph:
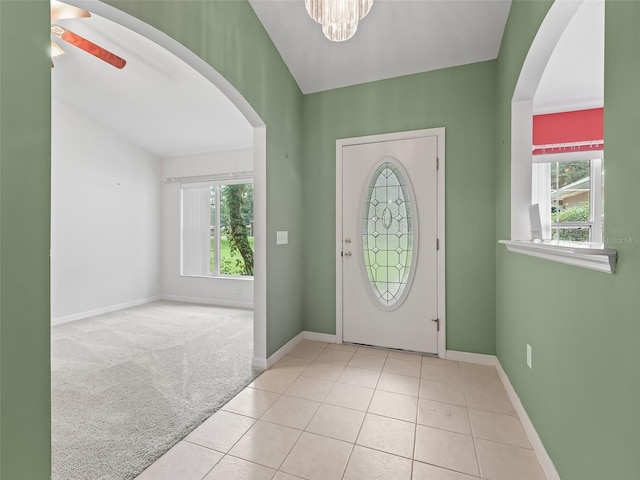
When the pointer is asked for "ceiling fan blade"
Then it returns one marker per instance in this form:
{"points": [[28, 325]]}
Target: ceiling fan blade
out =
{"points": [[88, 46], [56, 50], [61, 11]]}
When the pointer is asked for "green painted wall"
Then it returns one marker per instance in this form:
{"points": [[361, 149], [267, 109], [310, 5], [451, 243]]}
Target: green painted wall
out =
{"points": [[462, 100], [229, 36], [25, 126], [584, 390]]}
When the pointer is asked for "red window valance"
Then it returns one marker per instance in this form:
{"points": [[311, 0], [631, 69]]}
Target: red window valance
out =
{"points": [[576, 131]]}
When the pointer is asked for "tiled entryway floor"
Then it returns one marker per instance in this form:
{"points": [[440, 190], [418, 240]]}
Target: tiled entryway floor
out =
{"points": [[340, 412]]}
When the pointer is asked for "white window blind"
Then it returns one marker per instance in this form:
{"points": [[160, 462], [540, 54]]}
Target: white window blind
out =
{"points": [[196, 230]]}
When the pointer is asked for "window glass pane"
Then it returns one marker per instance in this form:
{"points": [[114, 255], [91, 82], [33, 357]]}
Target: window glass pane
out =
{"points": [[387, 235], [570, 191], [236, 229], [572, 234], [212, 241]]}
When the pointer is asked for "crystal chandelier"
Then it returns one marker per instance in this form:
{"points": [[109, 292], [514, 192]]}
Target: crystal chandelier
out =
{"points": [[339, 18]]}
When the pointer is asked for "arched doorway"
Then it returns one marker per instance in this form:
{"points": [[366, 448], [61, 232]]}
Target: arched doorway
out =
{"points": [[258, 152]]}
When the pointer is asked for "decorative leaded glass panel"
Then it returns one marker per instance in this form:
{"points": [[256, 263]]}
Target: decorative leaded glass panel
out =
{"points": [[388, 235]]}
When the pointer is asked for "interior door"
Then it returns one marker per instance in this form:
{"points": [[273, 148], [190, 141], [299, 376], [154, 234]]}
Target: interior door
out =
{"points": [[389, 250]]}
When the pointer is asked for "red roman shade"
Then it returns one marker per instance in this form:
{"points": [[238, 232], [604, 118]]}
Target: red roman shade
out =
{"points": [[577, 131]]}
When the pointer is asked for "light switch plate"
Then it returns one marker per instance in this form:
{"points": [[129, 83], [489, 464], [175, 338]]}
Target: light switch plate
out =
{"points": [[529, 356], [282, 237]]}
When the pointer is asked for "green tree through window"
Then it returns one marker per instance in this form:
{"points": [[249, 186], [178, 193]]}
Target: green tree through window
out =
{"points": [[236, 219]]}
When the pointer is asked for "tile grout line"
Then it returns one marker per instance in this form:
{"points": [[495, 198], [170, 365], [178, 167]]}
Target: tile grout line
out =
{"points": [[415, 427], [346, 465], [473, 437]]}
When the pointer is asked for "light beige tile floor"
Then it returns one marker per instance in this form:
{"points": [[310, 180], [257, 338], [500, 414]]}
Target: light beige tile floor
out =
{"points": [[341, 412]]}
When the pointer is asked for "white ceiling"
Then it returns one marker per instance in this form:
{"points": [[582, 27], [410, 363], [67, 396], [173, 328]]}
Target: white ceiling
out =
{"points": [[397, 37], [156, 100], [163, 105]]}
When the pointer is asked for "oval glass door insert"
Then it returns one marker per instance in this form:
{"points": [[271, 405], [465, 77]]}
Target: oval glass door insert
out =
{"points": [[389, 235]]}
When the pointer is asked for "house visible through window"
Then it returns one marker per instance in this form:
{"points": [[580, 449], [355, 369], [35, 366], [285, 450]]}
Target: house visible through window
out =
{"points": [[217, 229]]}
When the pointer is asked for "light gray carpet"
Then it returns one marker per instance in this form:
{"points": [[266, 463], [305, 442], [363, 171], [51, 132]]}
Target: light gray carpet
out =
{"points": [[128, 385]]}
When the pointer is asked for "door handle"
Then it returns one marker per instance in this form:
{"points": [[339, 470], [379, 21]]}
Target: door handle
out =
{"points": [[347, 253]]}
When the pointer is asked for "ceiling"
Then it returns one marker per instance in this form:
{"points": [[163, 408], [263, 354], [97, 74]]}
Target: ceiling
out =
{"points": [[397, 37], [163, 105], [156, 100]]}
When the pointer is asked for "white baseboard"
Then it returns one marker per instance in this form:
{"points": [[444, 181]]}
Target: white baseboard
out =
{"points": [[282, 351], [478, 358], [319, 337], [290, 345], [101, 311], [209, 301], [543, 457], [259, 363], [142, 301]]}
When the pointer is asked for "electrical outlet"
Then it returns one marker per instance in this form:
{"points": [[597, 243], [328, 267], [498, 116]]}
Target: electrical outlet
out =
{"points": [[529, 356]]}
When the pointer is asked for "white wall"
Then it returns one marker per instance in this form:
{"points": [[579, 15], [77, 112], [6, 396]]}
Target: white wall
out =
{"points": [[106, 199], [222, 291]]}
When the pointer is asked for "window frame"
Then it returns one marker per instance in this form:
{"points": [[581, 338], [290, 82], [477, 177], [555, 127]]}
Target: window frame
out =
{"points": [[596, 159], [229, 179]]}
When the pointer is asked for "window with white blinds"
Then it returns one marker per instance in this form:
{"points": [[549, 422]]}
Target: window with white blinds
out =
{"points": [[217, 228]]}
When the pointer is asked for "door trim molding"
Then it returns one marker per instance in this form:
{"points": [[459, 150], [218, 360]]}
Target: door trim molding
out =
{"points": [[343, 142]]}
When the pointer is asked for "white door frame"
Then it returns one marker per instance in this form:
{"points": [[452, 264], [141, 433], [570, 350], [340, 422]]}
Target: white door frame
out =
{"points": [[343, 142]]}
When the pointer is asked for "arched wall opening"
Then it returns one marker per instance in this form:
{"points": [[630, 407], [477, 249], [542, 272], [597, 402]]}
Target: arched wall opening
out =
{"points": [[259, 151], [552, 28]]}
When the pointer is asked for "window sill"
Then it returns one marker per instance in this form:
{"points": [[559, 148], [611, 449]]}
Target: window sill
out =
{"points": [[586, 255], [243, 278]]}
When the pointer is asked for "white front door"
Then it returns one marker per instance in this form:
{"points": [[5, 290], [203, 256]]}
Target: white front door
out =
{"points": [[389, 250]]}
